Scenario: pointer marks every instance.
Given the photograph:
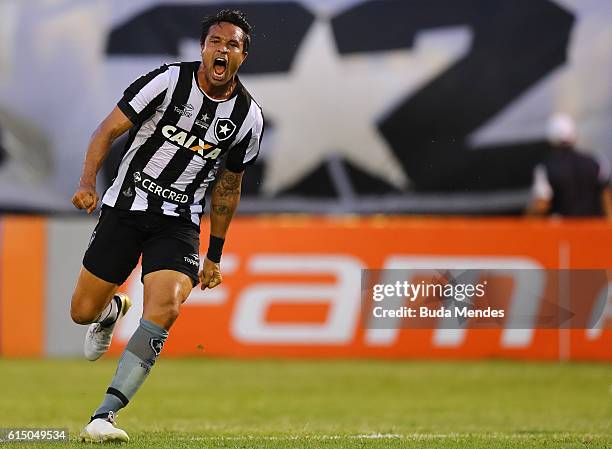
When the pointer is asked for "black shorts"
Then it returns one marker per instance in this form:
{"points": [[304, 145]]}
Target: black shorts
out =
{"points": [[120, 237]]}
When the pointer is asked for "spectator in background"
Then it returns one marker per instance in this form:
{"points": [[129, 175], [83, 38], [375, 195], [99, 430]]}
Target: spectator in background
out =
{"points": [[2, 150], [570, 183]]}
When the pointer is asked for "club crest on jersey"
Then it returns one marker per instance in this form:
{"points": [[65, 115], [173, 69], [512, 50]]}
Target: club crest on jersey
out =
{"points": [[191, 142], [224, 129]]}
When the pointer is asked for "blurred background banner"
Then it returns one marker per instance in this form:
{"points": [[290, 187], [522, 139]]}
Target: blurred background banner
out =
{"points": [[421, 106], [292, 292]]}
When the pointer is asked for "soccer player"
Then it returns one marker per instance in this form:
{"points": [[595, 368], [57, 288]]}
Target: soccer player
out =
{"points": [[188, 123]]}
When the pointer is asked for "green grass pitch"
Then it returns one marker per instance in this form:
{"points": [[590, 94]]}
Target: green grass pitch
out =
{"points": [[209, 403]]}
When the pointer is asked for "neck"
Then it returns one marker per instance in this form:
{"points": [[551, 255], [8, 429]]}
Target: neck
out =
{"points": [[217, 92]]}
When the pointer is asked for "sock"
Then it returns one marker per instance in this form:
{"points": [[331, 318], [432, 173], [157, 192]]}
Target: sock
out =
{"points": [[134, 367], [111, 313]]}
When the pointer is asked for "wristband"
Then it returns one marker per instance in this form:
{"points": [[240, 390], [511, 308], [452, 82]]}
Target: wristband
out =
{"points": [[215, 248]]}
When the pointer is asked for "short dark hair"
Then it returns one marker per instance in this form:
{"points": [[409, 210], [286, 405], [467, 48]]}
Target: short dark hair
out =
{"points": [[234, 17]]}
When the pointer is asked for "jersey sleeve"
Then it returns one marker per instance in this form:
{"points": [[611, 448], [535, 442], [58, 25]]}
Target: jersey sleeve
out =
{"points": [[246, 151], [144, 95]]}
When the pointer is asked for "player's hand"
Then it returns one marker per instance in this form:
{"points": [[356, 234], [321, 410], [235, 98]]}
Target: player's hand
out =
{"points": [[210, 275], [85, 198]]}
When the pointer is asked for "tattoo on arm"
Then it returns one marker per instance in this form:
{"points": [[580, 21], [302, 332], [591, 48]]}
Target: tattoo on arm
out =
{"points": [[229, 184], [224, 201], [226, 193]]}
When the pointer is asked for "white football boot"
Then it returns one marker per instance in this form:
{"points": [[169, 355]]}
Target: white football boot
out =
{"points": [[100, 430], [98, 337]]}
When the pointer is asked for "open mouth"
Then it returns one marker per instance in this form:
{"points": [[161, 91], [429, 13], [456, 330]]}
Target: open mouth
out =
{"points": [[219, 68]]}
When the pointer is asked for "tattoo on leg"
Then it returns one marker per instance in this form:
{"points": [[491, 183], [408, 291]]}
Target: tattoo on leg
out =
{"points": [[221, 210]]}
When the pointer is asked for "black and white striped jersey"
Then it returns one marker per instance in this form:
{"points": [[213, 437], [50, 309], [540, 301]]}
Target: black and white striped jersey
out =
{"points": [[179, 140]]}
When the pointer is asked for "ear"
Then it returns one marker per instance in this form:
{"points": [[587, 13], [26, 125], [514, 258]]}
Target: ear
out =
{"points": [[244, 55]]}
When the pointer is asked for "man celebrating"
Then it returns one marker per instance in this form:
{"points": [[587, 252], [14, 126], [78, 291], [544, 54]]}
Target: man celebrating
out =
{"points": [[187, 121]]}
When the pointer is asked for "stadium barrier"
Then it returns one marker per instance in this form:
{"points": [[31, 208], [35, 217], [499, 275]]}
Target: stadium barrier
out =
{"points": [[292, 287]]}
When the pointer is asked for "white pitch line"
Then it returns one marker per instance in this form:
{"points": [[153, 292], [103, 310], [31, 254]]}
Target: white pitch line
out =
{"points": [[392, 436]]}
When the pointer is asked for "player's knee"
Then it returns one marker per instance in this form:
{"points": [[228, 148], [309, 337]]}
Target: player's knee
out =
{"points": [[80, 317], [164, 315], [81, 314], [170, 315], [163, 299]]}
